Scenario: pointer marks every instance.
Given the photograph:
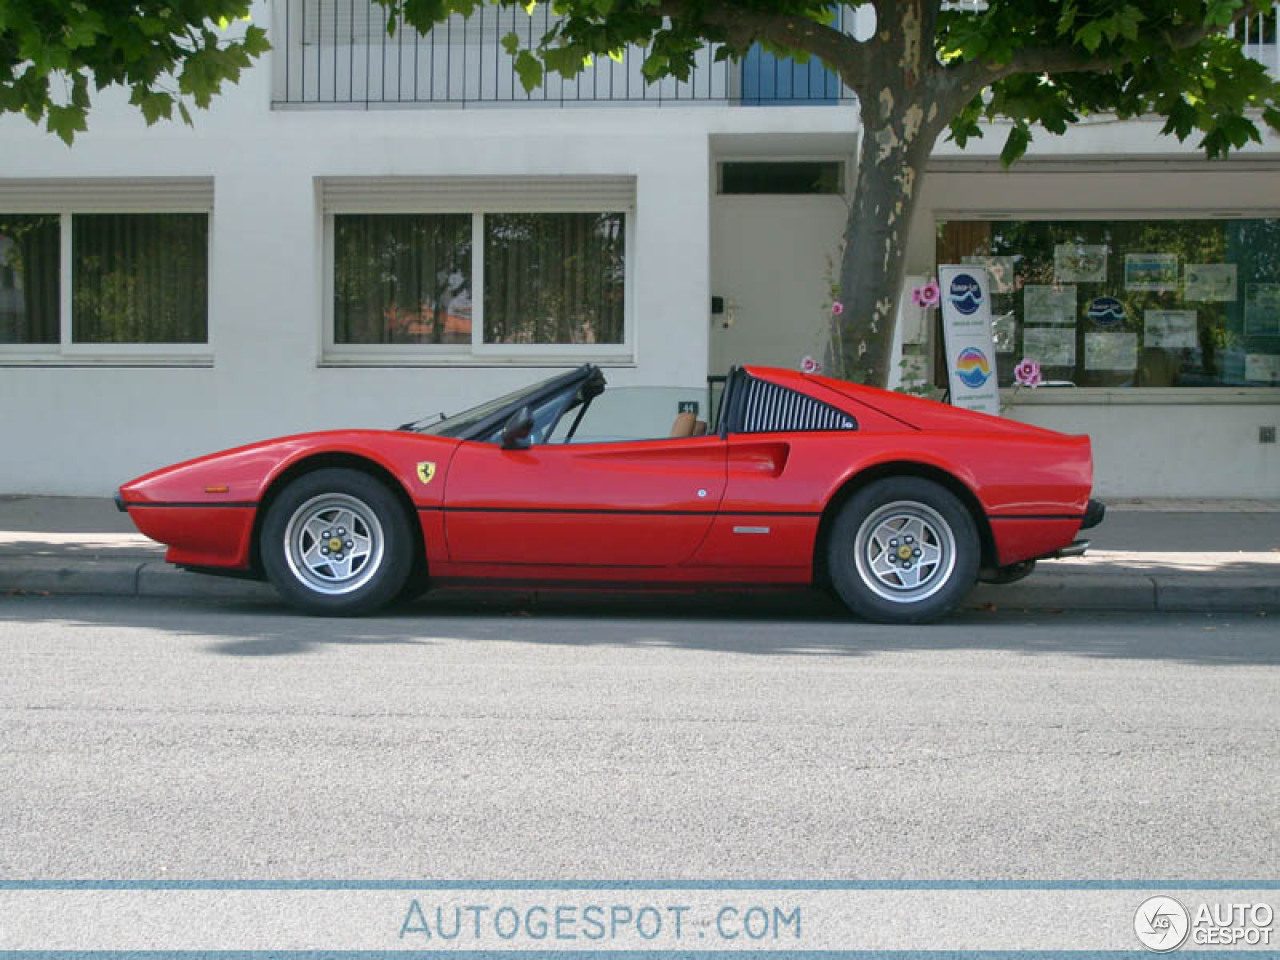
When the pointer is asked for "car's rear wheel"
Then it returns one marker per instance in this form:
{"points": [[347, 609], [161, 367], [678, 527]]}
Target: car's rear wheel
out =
{"points": [[903, 550], [336, 542]]}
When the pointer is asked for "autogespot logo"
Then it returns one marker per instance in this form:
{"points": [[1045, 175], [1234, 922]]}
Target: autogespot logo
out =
{"points": [[972, 367], [965, 294], [1162, 924]]}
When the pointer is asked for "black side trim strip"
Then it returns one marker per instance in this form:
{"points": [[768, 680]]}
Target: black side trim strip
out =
{"points": [[1035, 516], [629, 513], [130, 504]]}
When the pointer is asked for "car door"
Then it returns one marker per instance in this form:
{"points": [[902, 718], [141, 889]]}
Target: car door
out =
{"points": [[647, 503]]}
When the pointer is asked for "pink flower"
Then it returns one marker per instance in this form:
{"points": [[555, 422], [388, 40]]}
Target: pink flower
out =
{"points": [[810, 365], [837, 308], [926, 296], [1027, 374]]}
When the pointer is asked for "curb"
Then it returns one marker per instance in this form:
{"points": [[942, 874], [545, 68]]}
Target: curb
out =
{"points": [[1043, 590]]}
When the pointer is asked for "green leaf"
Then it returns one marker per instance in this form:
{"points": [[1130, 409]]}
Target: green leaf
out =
{"points": [[511, 43], [529, 70], [1015, 145]]}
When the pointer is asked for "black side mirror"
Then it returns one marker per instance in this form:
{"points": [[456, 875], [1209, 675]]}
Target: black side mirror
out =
{"points": [[515, 435]]}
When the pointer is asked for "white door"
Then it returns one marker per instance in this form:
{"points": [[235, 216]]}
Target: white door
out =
{"points": [[769, 261]]}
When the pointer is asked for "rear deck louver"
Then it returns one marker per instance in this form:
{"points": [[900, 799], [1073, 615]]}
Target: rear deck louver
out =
{"points": [[771, 408]]}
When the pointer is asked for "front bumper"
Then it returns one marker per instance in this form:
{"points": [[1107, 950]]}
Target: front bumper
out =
{"points": [[120, 504], [1093, 514]]}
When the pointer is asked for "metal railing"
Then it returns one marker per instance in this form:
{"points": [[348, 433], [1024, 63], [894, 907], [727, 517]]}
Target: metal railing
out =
{"points": [[339, 52]]}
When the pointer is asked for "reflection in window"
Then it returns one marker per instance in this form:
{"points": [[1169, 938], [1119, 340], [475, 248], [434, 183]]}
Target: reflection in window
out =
{"points": [[1145, 303], [29, 278], [140, 278], [554, 278], [402, 278]]}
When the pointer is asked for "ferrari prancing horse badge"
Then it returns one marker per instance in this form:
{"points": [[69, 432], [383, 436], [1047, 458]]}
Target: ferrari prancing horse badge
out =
{"points": [[426, 471]]}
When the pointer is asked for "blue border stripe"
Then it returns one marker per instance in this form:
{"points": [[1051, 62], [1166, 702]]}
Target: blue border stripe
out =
{"points": [[414, 885]]}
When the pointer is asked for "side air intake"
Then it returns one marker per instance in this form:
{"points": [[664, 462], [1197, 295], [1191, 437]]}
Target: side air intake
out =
{"points": [[771, 409]]}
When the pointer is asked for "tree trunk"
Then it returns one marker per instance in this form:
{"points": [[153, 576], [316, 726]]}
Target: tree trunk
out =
{"points": [[897, 136]]}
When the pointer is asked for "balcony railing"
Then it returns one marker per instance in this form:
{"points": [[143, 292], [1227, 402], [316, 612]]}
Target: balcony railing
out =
{"points": [[338, 52]]}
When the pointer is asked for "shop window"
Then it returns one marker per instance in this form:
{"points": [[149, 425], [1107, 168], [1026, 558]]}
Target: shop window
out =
{"points": [[551, 282], [1130, 303]]}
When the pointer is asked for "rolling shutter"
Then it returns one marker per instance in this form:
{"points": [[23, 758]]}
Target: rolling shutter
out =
{"points": [[107, 195], [476, 194]]}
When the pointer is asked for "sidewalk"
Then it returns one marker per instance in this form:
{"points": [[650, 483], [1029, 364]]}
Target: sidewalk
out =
{"points": [[1202, 555]]}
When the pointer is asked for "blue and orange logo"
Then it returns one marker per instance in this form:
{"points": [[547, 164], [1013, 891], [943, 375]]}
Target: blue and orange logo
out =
{"points": [[965, 293], [973, 368]]}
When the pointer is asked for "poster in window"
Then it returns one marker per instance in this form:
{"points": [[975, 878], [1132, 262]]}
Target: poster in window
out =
{"points": [[1050, 346], [1170, 329], [1110, 351], [999, 271], [1153, 272], [1079, 263], [1210, 282], [1262, 309], [1262, 368], [1004, 329], [1048, 305]]}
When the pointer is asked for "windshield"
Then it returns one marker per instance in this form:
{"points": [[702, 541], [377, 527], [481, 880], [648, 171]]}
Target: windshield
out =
{"points": [[461, 423]]}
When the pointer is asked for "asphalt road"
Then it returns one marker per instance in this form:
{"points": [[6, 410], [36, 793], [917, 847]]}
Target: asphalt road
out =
{"points": [[665, 739]]}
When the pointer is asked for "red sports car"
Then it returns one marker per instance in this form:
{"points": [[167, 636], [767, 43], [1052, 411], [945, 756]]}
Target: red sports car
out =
{"points": [[897, 504]]}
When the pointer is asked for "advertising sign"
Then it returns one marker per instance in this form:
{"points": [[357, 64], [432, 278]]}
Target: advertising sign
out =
{"points": [[966, 328]]}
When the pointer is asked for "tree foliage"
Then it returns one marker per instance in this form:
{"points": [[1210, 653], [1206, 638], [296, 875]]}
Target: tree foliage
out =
{"points": [[167, 53], [931, 69]]}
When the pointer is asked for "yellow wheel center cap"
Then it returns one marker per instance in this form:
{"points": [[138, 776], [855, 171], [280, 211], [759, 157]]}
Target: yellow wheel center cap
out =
{"points": [[904, 552], [335, 544]]}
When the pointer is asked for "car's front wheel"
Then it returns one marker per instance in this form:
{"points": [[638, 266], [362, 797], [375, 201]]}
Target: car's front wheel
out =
{"points": [[336, 542], [903, 550]]}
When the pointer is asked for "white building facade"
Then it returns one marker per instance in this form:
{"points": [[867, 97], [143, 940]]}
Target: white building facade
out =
{"points": [[365, 230]]}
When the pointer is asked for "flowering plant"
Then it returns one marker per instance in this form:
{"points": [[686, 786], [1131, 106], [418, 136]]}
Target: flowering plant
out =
{"points": [[1027, 374], [927, 296], [837, 308], [810, 365]]}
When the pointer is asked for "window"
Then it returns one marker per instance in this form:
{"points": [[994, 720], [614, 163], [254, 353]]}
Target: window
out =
{"points": [[554, 278], [1130, 303], [140, 278], [29, 280], [551, 282], [781, 177], [83, 283], [402, 278]]}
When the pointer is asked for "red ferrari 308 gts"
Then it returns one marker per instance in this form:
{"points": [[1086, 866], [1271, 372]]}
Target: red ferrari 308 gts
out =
{"points": [[897, 504]]}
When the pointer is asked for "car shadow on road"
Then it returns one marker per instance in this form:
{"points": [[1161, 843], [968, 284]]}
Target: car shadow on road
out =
{"points": [[768, 624]]}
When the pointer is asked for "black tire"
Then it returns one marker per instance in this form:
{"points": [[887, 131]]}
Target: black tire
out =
{"points": [[326, 503], [900, 525]]}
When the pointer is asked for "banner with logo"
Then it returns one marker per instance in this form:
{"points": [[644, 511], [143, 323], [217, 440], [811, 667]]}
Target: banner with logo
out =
{"points": [[966, 330]]}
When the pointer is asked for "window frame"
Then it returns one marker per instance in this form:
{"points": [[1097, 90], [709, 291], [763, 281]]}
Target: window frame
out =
{"points": [[478, 352], [1121, 396]]}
